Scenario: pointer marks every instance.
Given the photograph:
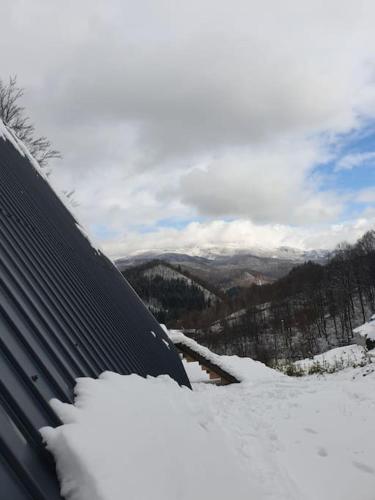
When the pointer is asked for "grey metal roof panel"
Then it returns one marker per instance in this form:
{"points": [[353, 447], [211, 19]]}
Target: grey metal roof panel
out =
{"points": [[65, 312]]}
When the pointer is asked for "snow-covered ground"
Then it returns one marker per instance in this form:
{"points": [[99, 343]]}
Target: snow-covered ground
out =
{"points": [[145, 439], [367, 330], [335, 359], [269, 437], [307, 438]]}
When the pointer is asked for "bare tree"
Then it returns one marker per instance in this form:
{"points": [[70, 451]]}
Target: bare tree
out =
{"points": [[13, 115]]}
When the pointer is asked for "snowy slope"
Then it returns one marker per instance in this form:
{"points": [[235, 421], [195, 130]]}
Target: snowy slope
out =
{"points": [[307, 438], [336, 359], [137, 439], [168, 273], [367, 330], [271, 437]]}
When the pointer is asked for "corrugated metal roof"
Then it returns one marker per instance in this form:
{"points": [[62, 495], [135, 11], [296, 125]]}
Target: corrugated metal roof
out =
{"points": [[65, 312]]}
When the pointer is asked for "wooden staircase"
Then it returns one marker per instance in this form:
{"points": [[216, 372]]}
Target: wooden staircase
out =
{"points": [[216, 374]]}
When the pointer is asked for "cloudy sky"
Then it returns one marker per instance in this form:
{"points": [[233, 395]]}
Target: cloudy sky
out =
{"points": [[204, 123]]}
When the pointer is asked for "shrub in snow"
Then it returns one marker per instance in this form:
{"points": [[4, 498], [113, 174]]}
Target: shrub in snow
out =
{"points": [[290, 369], [332, 361]]}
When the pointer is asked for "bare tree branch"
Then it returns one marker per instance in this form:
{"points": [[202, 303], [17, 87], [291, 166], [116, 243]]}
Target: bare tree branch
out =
{"points": [[13, 115]]}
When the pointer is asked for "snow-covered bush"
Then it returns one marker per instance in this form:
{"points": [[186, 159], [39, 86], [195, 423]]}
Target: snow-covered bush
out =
{"points": [[332, 361]]}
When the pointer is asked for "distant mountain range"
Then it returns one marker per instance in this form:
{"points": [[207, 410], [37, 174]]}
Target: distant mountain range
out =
{"points": [[225, 269]]}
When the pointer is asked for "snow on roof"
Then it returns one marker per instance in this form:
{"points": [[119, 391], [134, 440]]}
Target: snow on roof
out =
{"points": [[367, 329], [243, 369], [7, 134], [142, 439]]}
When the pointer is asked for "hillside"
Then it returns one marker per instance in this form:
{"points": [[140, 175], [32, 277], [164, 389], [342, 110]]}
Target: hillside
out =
{"points": [[227, 270], [311, 309], [171, 293]]}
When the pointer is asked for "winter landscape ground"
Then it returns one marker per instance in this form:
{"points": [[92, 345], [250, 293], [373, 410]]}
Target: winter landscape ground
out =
{"points": [[270, 437]]}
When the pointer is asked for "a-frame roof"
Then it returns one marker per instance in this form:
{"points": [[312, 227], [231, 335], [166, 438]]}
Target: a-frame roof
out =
{"points": [[65, 312]]}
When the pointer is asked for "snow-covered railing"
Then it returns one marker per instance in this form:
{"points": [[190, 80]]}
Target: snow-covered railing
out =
{"points": [[233, 368]]}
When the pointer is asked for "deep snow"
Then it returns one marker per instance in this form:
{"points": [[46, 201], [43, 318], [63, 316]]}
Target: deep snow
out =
{"points": [[144, 439], [269, 437], [336, 359], [308, 438], [367, 330]]}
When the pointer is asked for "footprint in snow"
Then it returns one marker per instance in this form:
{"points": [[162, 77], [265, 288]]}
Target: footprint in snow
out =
{"points": [[322, 452], [364, 467], [273, 436], [309, 430]]}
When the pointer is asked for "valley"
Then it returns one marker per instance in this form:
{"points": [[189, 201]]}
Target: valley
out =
{"points": [[227, 270], [311, 307]]}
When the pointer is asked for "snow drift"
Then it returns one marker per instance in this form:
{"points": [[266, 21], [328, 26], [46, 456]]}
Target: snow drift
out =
{"points": [[367, 330], [142, 439], [336, 359]]}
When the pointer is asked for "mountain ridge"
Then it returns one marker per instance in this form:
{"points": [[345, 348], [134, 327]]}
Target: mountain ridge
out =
{"points": [[215, 252], [226, 270]]}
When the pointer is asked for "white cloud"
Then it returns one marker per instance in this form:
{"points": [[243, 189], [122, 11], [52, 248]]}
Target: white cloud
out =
{"points": [[238, 235], [366, 196], [355, 160], [174, 109], [265, 186]]}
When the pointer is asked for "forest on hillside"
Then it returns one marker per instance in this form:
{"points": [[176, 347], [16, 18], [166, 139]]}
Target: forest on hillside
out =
{"points": [[168, 297], [313, 308]]}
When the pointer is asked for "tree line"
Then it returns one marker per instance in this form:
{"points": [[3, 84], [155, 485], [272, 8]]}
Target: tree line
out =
{"points": [[314, 308], [168, 299]]}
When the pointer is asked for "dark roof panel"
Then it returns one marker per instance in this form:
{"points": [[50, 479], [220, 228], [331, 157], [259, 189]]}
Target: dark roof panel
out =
{"points": [[65, 312]]}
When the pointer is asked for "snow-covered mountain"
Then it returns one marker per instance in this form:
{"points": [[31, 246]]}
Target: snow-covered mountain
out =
{"points": [[217, 253], [169, 274], [227, 268]]}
